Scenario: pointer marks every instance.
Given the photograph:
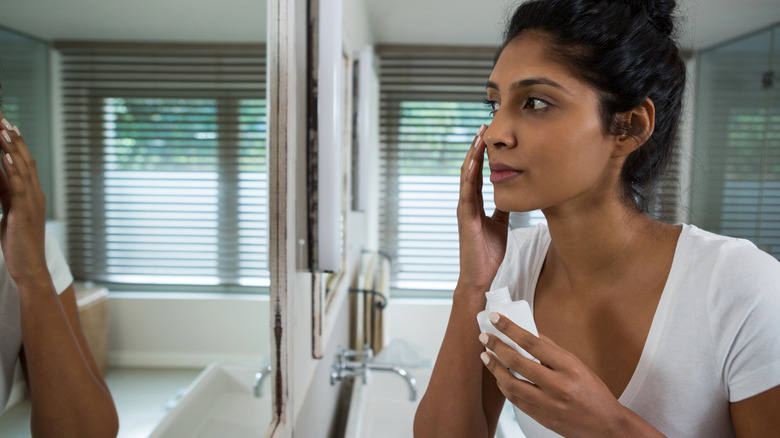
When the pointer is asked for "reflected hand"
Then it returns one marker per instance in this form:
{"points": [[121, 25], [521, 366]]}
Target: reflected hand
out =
{"points": [[22, 228], [482, 239]]}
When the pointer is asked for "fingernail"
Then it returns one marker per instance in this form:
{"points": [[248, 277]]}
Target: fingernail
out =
{"points": [[17, 130], [483, 338], [482, 130], [10, 160], [6, 136], [494, 317], [485, 357], [6, 124]]}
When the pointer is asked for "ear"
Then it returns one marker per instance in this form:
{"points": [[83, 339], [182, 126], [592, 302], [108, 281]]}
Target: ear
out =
{"points": [[638, 125]]}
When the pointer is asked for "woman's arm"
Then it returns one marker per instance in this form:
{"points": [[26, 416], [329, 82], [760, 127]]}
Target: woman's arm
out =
{"points": [[462, 399], [67, 394], [70, 306], [757, 415]]}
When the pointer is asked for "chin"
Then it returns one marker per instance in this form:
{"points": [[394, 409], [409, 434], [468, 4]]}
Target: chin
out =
{"points": [[512, 203]]}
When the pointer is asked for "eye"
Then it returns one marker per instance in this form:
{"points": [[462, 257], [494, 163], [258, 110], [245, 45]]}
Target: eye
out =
{"points": [[535, 104], [493, 105]]}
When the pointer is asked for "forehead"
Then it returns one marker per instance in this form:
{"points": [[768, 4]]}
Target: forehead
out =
{"points": [[529, 56]]}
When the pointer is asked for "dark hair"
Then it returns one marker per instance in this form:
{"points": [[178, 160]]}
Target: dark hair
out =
{"points": [[627, 51]]}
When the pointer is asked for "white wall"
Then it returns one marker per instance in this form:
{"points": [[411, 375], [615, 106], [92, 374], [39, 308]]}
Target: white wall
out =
{"points": [[187, 330], [419, 322]]}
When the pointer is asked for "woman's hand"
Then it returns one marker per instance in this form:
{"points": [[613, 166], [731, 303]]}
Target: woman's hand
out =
{"points": [[565, 396], [22, 228], [482, 238]]}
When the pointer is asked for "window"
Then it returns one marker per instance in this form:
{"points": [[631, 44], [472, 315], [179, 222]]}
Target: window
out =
{"points": [[166, 165], [737, 154], [431, 106]]}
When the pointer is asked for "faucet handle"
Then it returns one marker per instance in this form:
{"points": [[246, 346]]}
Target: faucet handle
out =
{"points": [[366, 354], [350, 353]]}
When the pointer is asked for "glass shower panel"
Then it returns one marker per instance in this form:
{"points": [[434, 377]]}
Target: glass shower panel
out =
{"points": [[770, 217], [731, 154], [24, 78]]}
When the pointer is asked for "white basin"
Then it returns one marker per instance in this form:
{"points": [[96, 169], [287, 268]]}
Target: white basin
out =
{"points": [[381, 408], [220, 403]]}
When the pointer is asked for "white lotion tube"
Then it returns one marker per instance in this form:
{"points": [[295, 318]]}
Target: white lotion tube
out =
{"points": [[519, 312]]}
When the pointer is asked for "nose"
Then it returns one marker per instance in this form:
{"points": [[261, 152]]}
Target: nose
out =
{"points": [[499, 133]]}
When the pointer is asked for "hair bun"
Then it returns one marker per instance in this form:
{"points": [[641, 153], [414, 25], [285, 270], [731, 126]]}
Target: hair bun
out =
{"points": [[660, 13]]}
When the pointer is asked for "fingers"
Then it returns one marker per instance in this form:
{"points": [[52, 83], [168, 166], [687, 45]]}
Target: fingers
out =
{"points": [[475, 152], [20, 155], [544, 350], [21, 175], [541, 348], [464, 168], [479, 160], [515, 390], [5, 189], [12, 178], [470, 177], [520, 364]]}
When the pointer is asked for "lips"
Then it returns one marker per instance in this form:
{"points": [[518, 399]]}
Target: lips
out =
{"points": [[500, 173]]}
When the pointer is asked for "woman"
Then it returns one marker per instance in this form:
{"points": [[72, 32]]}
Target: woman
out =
{"points": [[40, 322], [646, 329]]}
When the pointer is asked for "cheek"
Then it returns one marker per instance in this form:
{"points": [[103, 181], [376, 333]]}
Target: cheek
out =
{"points": [[584, 149]]}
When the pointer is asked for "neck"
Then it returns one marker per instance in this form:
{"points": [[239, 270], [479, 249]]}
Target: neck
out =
{"points": [[598, 243]]}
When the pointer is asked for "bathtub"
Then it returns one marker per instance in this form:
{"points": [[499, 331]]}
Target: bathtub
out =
{"points": [[381, 408]]}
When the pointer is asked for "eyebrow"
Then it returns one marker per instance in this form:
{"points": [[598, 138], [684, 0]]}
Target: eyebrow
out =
{"points": [[529, 82]]}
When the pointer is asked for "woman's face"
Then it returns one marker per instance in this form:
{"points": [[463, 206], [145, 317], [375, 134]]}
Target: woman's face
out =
{"points": [[546, 144]]}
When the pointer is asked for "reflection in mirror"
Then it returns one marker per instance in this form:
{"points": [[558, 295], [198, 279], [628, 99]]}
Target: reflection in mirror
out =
{"points": [[158, 191]]}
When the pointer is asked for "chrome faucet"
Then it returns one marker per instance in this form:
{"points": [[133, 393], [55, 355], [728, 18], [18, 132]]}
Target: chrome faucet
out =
{"points": [[346, 369], [410, 380], [259, 377]]}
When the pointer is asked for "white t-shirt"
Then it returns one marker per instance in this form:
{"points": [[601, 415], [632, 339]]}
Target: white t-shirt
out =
{"points": [[11, 317], [714, 339]]}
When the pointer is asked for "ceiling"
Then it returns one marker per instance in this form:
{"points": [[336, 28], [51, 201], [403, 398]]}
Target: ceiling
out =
{"points": [[222, 21], [479, 22], [451, 22]]}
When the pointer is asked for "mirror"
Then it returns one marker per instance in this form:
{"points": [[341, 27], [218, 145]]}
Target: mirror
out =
{"points": [[156, 150], [328, 158]]}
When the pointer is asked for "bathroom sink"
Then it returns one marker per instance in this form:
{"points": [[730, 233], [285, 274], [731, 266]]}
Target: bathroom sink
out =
{"points": [[381, 408], [220, 402]]}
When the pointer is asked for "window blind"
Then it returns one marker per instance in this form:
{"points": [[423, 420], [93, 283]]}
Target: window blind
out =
{"points": [[166, 174], [430, 109], [431, 106], [737, 154]]}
